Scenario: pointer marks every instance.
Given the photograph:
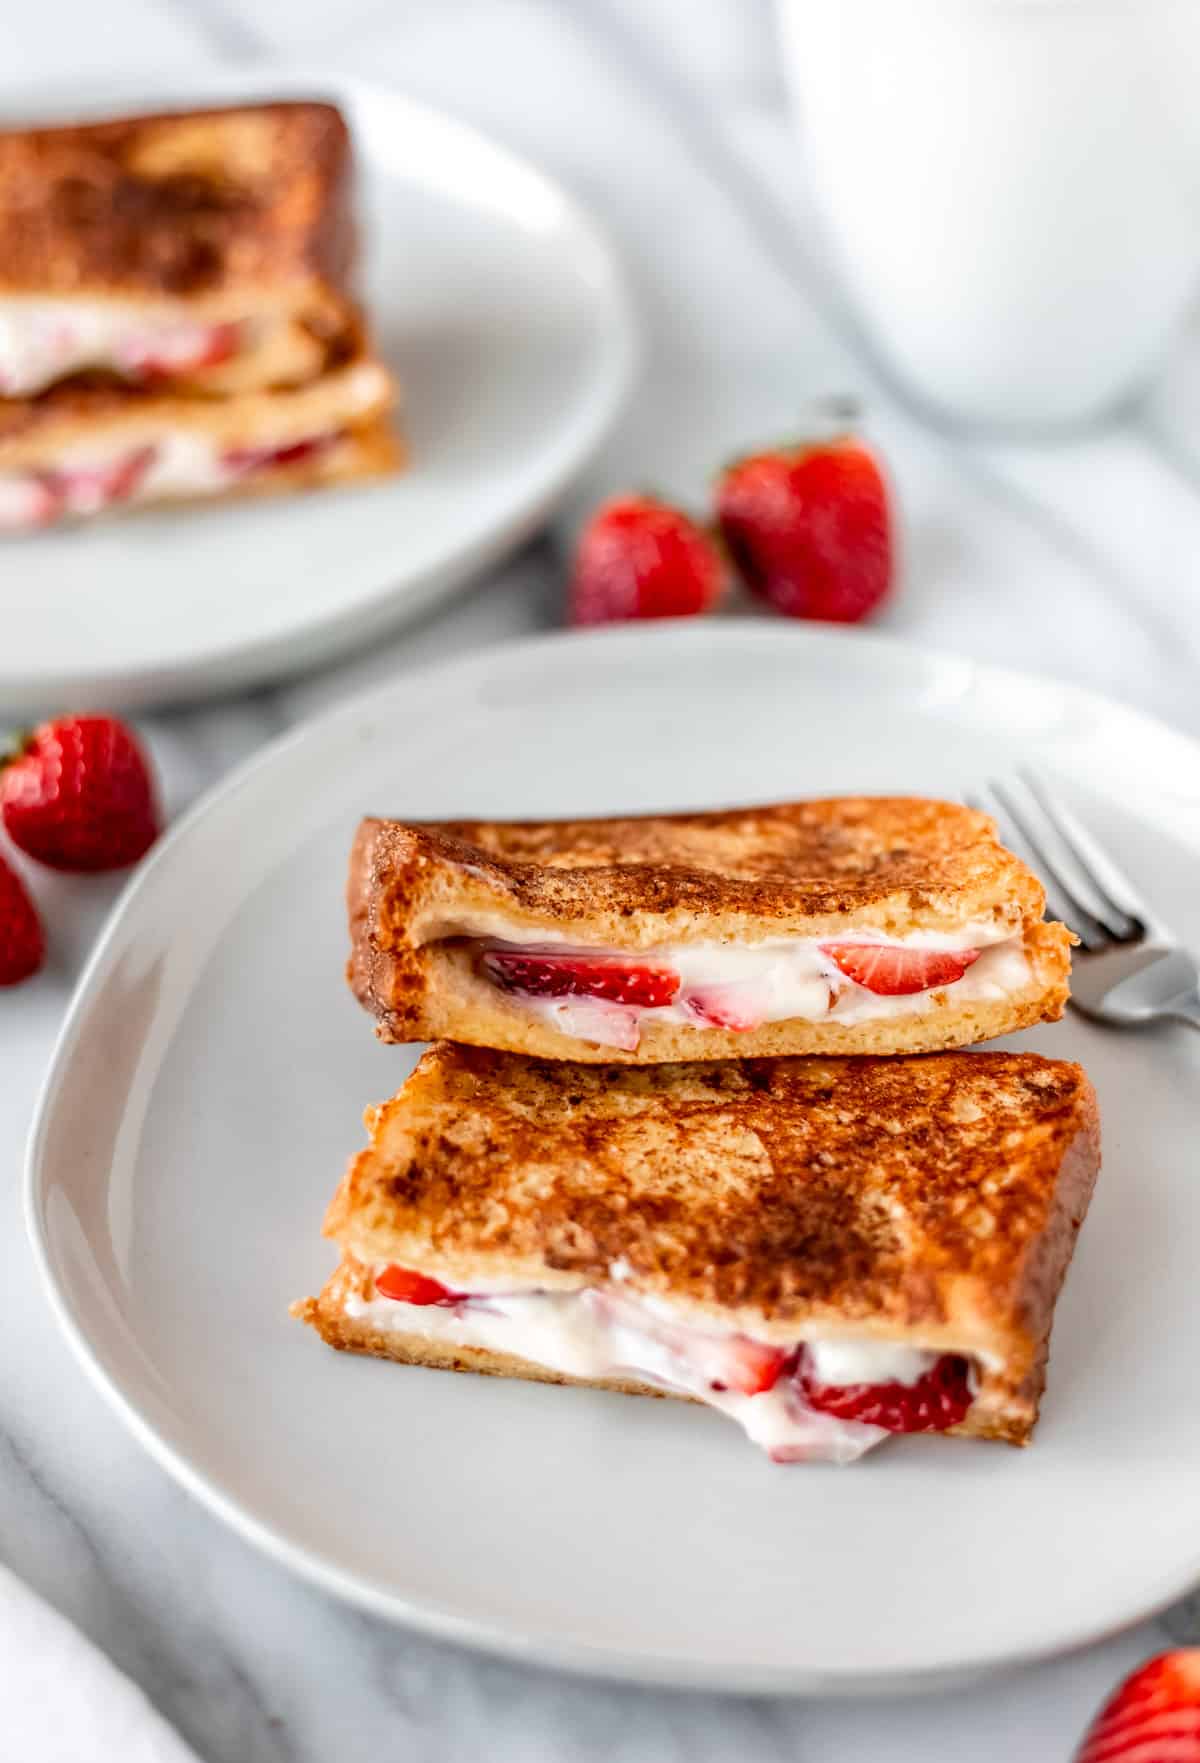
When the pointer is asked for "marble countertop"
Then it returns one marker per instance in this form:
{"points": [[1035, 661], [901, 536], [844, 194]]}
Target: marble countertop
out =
{"points": [[669, 118]]}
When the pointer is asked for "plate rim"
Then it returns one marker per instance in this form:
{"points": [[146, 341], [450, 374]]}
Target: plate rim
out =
{"points": [[359, 1590], [197, 672]]}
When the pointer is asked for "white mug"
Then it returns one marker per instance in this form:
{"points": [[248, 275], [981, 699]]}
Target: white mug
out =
{"points": [[1012, 188]]}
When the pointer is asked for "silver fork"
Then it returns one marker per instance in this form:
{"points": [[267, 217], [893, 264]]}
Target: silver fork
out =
{"points": [[1128, 969]]}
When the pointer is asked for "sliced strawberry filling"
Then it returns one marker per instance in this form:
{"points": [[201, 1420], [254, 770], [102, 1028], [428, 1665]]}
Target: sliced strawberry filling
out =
{"points": [[247, 459], [592, 1019], [731, 988], [37, 498], [184, 349], [720, 1362], [893, 972], [602, 1331], [748, 1366], [27, 502], [408, 1287], [613, 978], [728, 1006], [936, 1402], [86, 489]]}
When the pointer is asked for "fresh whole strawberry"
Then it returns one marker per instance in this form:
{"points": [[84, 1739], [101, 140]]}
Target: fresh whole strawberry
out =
{"points": [[1154, 1717], [934, 1403], [641, 558], [78, 794], [22, 944], [810, 528]]}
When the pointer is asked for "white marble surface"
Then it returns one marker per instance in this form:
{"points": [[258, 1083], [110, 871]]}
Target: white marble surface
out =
{"points": [[668, 116]]}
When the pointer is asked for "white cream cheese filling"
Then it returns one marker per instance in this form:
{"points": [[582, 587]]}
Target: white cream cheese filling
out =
{"points": [[42, 341], [778, 980], [599, 1333], [183, 463], [86, 480]]}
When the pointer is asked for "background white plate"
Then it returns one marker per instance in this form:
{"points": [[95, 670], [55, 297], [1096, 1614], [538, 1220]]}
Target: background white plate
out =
{"points": [[207, 1091], [503, 312]]}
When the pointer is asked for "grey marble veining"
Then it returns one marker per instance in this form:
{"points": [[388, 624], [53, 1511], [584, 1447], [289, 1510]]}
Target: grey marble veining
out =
{"points": [[669, 118]]}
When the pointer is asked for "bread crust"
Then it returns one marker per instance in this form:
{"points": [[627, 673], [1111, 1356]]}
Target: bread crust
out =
{"points": [[933, 1200], [822, 868], [236, 203]]}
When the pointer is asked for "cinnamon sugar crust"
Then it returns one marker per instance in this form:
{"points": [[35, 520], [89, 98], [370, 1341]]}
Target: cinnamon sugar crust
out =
{"points": [[820, 868], [933, 1199], [187, 203]]}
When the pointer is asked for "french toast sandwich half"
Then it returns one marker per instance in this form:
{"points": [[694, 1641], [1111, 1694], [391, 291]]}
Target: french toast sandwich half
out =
{"points": [[826, 1250], [838, 926]]}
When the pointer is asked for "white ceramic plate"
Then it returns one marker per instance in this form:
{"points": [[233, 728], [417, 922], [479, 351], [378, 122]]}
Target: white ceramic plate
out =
{"points": [[503, 312], [207, 1091]]}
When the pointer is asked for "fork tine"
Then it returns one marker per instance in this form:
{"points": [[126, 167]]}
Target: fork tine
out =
{"points": [[1057, 905], [1095, 867], [1064, 901]]}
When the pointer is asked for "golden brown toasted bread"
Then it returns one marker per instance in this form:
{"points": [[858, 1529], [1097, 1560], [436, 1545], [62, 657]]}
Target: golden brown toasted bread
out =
{"points": [[931, 1201], [427, 900], [241, 215]]}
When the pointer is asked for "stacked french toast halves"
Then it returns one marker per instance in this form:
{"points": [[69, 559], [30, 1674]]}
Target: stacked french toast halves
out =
{"points": [[698, 1120]]}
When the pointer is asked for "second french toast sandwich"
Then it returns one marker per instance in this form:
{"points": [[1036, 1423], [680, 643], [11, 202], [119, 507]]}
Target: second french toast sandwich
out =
{"points": [[178, 314], [838, 926], [826, 1250]]}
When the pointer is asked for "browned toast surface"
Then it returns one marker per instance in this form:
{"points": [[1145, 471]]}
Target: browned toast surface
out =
{"points": [[930, 1200], [785, 861], [936, 1194], [251, 198], [819, 868]]}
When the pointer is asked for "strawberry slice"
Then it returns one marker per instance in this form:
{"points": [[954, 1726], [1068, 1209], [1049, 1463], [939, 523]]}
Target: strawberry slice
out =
{"points": [[88, 489], [615, 978], [183, 349], [1153, 1717], [747, 1366], [723, 1362], [732, 1006], [246, 459], [893, 972], [592, 1019], [408, 1287], [934, 1403], [28, 500]]}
